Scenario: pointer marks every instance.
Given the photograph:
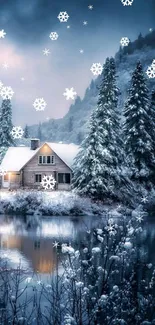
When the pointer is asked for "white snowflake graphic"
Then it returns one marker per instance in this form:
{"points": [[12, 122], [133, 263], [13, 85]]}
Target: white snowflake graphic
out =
{"points": [[17, 132], [139, 218], [85, 23], [127, 2], [90, 7], [39, 104], [48, 182], [81, 51], [151, 72], [2, 33], [63, 17], [5, 65], [70, 93], [56, 244], [54, 36], [46, 52], [124, 41], [6, 92], [3, 171], [144, 199], [96, 69]]}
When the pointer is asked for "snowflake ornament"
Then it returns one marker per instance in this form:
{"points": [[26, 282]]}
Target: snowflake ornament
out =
{"points": [[2, 33], [127, 2], [63, 17], [3, 171], [48, 182], [124, 41], [39, 104], [96, 69], [6, 92], [70, 93], [17, 132], [54, 36]]}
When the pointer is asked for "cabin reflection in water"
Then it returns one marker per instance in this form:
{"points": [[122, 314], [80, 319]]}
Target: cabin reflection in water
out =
{"points": [[38, 252]]}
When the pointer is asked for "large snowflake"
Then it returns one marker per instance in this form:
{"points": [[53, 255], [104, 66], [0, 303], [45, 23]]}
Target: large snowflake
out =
{"points": [[39, 104], [124, 41], [53, 36], [6, 92], [63, 17], [48, 182], [96, 69], [127, 2], [69, 93], [17, 132]]}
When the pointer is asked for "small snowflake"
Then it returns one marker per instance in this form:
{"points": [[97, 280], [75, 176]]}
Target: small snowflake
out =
{"points": [[5, 65], [124, 41], [151, 72], [85, 23], [96, 69], [127, 2], [150, 30], [6, 92], [68, 27], [90, 7], [48, 182], [144, 199], [39, 104], [139, 218], [3, 171], [39, 282], [2, 33], [56, 244], [81, 51], [111, 227], [17, 132], [70, 93], [63, 17], [54, 36], [46, 52], [22, 79]]}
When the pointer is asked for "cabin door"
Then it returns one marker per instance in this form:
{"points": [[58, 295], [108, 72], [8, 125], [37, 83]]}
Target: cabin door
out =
{"points": [[6, 180]]}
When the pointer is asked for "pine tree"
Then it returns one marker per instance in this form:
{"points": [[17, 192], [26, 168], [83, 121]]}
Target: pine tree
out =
{"points": [[138, 126], [6, 126], [98, 165], [26, 132]]}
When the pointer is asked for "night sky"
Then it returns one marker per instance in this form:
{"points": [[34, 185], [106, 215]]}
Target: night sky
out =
{"points": [[28, 23]]}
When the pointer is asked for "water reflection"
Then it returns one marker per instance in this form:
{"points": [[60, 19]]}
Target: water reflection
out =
{"points": [[33, 248]]}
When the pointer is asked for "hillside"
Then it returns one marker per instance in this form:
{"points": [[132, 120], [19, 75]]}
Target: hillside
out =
{"points": [[72, 127]]}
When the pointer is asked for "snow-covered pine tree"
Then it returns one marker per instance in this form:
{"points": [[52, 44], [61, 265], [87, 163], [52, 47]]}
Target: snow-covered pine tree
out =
{"points": [[97, 167], [26, 132], [6, 139], [138, 127]]}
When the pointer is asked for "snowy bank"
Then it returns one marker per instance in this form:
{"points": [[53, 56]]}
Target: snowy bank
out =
{"points": [[47, 204]]}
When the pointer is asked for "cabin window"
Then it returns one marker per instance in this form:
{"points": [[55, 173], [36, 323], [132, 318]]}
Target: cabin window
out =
{"points": [[64, 178], [46, 160], [38, 178]]}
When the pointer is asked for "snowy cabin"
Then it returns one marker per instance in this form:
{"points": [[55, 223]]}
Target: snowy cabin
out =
{"points": [[26, 166]]}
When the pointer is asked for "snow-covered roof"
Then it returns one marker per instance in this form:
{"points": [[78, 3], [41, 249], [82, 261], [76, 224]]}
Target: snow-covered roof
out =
{"points": [[17, 157]]}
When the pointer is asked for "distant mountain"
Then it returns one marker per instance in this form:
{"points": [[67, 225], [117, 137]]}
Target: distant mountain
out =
{"points": [[73, 126]]}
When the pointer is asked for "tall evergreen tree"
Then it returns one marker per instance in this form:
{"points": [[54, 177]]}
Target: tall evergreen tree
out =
{"points": [[26, 132], [6, 126], [138, 126], [98, 165]]}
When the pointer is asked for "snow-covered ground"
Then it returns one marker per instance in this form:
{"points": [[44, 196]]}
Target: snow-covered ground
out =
{"points": [[47, 203]]}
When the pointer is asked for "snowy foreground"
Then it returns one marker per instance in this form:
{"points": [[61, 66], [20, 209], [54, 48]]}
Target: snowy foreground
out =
{"points": [[47, 203]]}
